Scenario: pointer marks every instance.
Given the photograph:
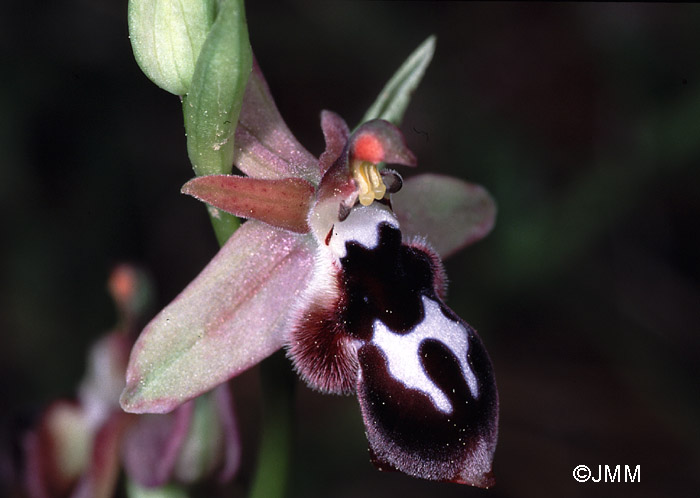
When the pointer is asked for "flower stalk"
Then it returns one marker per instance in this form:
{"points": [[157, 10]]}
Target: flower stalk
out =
{"points": [[274, 455]]}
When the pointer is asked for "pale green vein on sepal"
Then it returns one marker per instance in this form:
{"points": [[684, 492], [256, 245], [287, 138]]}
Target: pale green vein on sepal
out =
{"points": [[396, 95], [167, 36], [213, 103]]}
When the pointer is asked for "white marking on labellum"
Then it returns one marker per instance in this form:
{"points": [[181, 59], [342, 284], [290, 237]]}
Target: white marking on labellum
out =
{"points": [[403, 360], [361, 226]]}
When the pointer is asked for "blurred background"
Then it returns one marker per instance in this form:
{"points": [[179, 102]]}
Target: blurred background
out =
{"points": [[583, 121]]}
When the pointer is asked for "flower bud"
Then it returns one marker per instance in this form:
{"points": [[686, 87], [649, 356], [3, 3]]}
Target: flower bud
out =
{"points": [[167, 36]]}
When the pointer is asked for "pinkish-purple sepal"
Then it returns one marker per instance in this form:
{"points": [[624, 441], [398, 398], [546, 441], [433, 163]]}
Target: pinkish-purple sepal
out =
{"points": [[231, 438], [264, 146], [448, 212], [66, 455], [152, 445], [232, 316], [174, 447], [100, 479]]}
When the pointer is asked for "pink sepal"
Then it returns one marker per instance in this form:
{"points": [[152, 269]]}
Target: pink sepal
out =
{"points": [[448, 212], [264, 147], [153, 444], [100, 480], [232, 316], [232, 441]]}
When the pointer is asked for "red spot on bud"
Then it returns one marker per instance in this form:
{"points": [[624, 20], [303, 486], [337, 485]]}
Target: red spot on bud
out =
{"points": [[368, 148]]}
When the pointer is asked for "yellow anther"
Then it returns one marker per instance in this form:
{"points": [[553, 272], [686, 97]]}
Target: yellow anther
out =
{"points": [[369, 182]]}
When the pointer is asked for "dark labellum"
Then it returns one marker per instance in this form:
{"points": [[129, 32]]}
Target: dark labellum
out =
{"points": [[377, 323]]}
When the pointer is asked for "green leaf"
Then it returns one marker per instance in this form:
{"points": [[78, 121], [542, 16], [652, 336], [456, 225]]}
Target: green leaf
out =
{"points": [[213, 103], [167, 36], [395, 96]]}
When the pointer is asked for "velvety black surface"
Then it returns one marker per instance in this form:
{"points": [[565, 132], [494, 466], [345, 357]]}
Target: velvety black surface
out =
{"points": [[408, 417], [405, 429], [385, 283]]}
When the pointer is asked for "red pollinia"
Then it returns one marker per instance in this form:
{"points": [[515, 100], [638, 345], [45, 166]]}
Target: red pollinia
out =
{"points": [[334, 265]]}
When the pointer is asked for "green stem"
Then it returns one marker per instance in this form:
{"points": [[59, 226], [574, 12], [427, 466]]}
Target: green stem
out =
{"points": [[224, 224], [272, 475]]}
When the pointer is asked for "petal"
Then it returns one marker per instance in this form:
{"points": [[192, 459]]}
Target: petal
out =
{"points": [[231, 438], [233, 315], [428, 399], [152, 445], [449, 212], [104, 381], [57, 452], [282, 203], [380, 141], [203, 450], [100, 480], [336, 134], [35, 478], [264, 147]]}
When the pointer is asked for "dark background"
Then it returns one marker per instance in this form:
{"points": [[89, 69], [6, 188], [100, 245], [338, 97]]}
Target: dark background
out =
{"points": [[583, 121]]}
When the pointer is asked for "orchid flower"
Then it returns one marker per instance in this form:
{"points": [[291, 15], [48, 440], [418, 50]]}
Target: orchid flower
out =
{"points": [[335, 264], [79, 446], [74, 449]]}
